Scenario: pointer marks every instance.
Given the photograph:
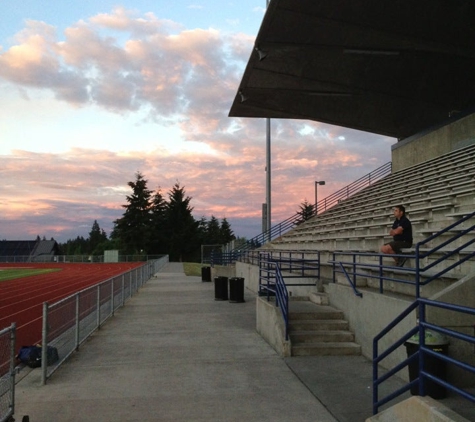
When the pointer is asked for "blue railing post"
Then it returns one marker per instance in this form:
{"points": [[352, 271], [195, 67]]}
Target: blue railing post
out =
{"points": [[422, 343], [418, 272], [334, 266]]}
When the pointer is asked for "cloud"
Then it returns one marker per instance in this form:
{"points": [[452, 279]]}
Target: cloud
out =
{"points": [[130, 64], [123, 63]]}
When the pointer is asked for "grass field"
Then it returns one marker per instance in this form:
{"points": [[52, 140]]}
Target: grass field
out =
{"points": [[12, 273], [192, 268]]}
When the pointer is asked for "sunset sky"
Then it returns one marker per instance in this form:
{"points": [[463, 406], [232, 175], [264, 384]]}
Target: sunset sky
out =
{"points": [[93, 92]]}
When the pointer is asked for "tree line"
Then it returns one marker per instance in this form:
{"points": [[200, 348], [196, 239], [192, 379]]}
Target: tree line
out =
{"points": [[153, 225]]}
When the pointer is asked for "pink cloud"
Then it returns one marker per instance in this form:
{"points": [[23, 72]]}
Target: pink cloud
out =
{"points": [[187, 78]]}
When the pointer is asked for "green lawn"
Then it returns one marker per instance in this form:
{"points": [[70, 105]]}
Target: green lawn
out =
{"points": [[12, 273], [192, 268]]}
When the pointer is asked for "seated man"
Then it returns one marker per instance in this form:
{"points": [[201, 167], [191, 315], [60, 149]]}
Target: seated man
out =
{"points": [[401, 232]]}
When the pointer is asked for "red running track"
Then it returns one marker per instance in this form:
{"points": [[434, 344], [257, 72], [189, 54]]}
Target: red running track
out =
{"points": [[21, 299]]}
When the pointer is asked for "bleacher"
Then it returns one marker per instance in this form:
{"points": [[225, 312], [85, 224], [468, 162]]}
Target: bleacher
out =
{"points": [[12, 248], [435, 194], [28, 250]]}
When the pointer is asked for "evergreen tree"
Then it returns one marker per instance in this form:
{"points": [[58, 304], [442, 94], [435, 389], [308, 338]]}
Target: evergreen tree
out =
{"points": [[78, 246], [213, 234], [158, 244], [133, 229], [97, 236], [226, 234], [182, 229], [306, 211]]}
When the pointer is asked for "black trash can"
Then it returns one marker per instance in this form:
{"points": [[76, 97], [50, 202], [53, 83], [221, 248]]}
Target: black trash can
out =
{"points": [[435, 366], [205, 273], [236, 289], [220, 288]]}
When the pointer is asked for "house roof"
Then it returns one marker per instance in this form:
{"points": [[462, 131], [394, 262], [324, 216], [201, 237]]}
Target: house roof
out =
{"points": [[390, 67]]}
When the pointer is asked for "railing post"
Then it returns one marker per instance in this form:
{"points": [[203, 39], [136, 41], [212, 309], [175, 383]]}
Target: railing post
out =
{"points": [[112, 296], [334, 266], [123, 290], [381, 274], [12, 366], [418, 272], [77, 322], [98, 305], [44, 344], [422, 343], [375, 377], [318, 264]]}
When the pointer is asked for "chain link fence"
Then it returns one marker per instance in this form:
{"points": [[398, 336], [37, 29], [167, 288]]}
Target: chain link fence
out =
{"points": [[93, 259], [7, 373], [69, 322]]}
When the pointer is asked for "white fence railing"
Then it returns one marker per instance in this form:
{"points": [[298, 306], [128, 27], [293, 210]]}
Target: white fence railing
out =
{"points": [[7, 373], [69, 322]]}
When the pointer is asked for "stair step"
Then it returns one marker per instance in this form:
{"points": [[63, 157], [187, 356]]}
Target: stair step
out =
{"points": [[317, 325], [326, 349], [309, 310], [326, 336]]}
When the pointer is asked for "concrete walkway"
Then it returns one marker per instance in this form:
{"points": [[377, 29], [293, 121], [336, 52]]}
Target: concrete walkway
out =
{"points": [[173, 353]]}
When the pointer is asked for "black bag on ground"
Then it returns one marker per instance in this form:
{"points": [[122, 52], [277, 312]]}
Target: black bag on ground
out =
{"points": [[31, 355]]}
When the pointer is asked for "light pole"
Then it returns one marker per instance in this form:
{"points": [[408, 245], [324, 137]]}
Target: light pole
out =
{"points": [[268, 174], [321, 182]]}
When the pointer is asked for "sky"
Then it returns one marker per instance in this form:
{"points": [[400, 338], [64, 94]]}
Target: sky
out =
{"points": [[92, 92]]}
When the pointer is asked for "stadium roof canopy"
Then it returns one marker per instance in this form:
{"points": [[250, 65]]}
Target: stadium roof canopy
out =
{"points": [[392, 67]]}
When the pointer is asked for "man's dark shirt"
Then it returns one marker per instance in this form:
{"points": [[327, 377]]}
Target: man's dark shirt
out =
{"points": [[406, 235]]}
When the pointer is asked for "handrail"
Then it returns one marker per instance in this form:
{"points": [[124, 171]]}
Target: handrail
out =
{"points": [[354, 268], [352, 284], [322, 205], [423, 352], [274, 286], [282, 299]]}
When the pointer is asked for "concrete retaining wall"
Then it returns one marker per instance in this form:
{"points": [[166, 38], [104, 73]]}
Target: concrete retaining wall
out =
{"points": [[460, 293], [270, 325], [434, 143]]}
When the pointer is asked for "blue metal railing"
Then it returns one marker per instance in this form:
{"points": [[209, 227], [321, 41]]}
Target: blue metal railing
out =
{"points": [[457, 247], [422, 354], [295, 264], [223, 258], [323, 205], [273, 285]]}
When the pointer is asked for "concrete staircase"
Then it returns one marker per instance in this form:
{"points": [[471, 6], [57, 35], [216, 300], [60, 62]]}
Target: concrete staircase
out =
{"points": [[319, 330]]}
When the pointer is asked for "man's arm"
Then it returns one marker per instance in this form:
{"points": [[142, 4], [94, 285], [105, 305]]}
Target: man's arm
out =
{"points": [[396, 231]]}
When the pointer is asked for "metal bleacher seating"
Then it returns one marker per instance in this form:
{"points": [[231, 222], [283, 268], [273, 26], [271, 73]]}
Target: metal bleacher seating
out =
{"points": [[435, 193]]}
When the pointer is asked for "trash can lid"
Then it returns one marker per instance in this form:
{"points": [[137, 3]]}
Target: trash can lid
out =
{"points": [[432, 338]]}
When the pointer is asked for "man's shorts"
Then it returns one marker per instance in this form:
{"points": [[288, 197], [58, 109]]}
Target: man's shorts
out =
{"points": [[397, 245]]}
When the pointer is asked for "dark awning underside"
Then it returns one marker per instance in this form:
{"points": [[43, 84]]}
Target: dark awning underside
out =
{"points": [[389, 67]]}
